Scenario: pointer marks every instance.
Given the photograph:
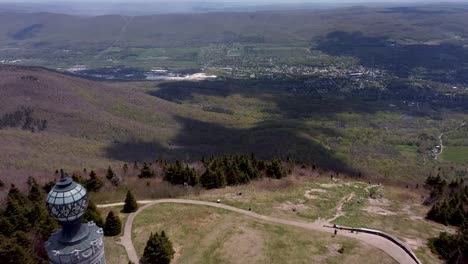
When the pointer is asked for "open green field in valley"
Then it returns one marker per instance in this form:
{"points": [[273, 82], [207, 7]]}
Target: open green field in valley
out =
{"points": [[455, 154]]}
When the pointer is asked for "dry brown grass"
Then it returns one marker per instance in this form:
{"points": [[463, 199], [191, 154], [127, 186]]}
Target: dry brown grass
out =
{"points": [[208, 235]]}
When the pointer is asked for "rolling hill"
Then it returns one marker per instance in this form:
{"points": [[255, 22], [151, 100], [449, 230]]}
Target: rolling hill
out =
{"points": [[50, 120], [57, 31], [82, 118]]}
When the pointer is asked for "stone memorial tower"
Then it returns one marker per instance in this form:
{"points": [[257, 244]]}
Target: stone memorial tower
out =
{"points": [[76, 242]]}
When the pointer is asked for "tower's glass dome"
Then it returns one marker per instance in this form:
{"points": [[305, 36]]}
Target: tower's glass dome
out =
{"points": [[67, 201]]}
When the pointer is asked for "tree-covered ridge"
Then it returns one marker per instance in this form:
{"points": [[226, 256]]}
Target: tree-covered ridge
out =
{"points": [[450, 207]]}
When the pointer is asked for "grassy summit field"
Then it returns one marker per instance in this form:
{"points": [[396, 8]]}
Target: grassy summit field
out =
{"points": [[395, 210], [206, 235]]}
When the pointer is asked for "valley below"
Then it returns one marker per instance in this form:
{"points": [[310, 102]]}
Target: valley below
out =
{"points": [[247, 136]]}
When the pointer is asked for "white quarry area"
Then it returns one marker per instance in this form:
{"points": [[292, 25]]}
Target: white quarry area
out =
{"points": [[10, 61], [77, 68], [189, 77]]}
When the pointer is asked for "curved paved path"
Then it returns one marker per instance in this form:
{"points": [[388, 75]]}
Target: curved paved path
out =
{"points": [[376, 241]]}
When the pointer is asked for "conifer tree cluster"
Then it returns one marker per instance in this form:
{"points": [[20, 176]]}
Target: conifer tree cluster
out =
{"points": [[223, 171], [451, 201], [450, 207], [275, 169], [92, 184], [452, 248], [158, 249], [146, 171], [25, 225], [230, 170], [177, 173]]}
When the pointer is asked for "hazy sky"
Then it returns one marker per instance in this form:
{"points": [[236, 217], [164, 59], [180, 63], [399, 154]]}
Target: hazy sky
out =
{"points": [[230, 1]]}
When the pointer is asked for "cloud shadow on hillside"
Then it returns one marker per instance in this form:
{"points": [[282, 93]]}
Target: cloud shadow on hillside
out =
{"points": [[288, 96], [298, 98], [201, 139]]}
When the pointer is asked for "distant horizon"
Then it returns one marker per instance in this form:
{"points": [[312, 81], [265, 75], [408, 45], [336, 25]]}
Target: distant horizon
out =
{"points": [[255, 2], [154, 7]]}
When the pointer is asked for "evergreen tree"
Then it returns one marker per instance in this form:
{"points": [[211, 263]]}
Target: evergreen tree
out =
{"points": [[94, 183], [12, 253], [6, 228], [112, 177], [275, 169], [158, 249], [146, 172], [113, 226], [92, 214], [213, 179], [48, 186], [42, 222], [178, 174], [125, 168], [16, 209], [261, 165], [35, 193], [130, 205], [110, 173], [78, 179]]}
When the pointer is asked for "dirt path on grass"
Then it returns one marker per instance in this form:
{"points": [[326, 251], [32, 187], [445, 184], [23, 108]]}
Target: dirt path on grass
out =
{"points": [[441, 143], [339, 207], [376, 241]]}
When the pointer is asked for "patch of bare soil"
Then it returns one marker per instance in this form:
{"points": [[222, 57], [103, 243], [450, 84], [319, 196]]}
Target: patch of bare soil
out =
{"points": [[333, 249], [378, 210], [309, 194], [415, 243], [318, 190], [177, 249], [235, 196], [332, 252], [411, 214], [329, 185], [244, 247], [295, 207], [339, 207], [379, 202]]}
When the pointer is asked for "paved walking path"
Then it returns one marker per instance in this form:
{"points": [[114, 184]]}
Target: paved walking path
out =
{"points": [[376, 241]]}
